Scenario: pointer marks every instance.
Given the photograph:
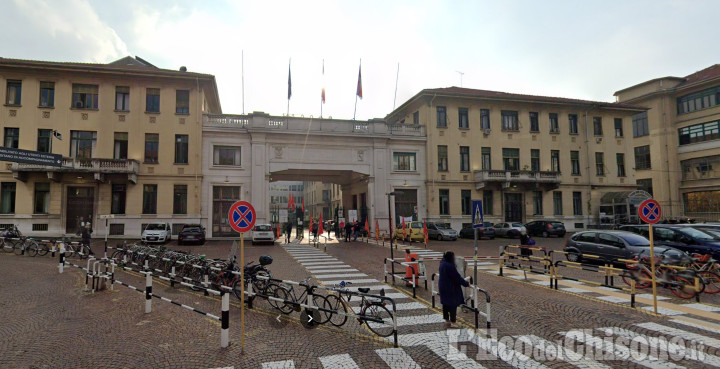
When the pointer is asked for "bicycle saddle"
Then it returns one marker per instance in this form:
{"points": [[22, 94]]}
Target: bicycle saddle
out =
{"points": [[363, 290]]}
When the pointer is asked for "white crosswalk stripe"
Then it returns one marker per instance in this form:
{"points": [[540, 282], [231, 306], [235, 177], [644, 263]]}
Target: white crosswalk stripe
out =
{"points": [[337, 266], [675, 351], [285, 364], [322, 271], [680, 333], [397, 358], [563, 353], [322, 263], [699, 325], [354, 281], [348, 275], [342, 361]]}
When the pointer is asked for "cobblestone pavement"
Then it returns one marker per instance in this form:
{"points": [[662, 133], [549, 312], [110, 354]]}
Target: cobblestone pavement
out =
{"points": [[50, 322]]}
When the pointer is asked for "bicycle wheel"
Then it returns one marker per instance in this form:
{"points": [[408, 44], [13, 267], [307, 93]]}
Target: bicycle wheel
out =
{"points": [[7, 246], [642, 278], [18, 246], [320, 301], [69, 251], [711, 281], [334, 303], [282, 292], [43, 249], [378, 311], [32, 248], [682, 286], [261, 284]]}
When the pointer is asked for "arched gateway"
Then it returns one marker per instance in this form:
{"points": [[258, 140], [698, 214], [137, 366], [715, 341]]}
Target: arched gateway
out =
{"points": [[242, 154]]}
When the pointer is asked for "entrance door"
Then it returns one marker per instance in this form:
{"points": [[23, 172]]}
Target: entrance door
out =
{"points": [[80, 204], [513, 207]]}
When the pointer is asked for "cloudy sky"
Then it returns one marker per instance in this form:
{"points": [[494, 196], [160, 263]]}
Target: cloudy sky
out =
{"points": [[581, 49]]}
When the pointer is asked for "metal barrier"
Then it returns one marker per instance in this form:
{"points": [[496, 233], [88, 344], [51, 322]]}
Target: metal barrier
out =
{"points": [[474, 302], [508, 255], [413, 265]]}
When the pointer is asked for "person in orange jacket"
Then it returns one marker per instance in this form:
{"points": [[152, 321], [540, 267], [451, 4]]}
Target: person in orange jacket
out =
{"points": [[411, 257]]}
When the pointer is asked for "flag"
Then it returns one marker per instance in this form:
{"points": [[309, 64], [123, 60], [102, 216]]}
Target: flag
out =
{"points": [[377, 230], [278, 230], [359, 86], [320, 226], [303, 204], [367, 226], [289, 82], [290, 201], [310, 225], [322, 94], [425, 233], [403, 226]]}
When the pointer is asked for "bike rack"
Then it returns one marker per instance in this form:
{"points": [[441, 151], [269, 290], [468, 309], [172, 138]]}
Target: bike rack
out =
{"points": [[413, 265]]}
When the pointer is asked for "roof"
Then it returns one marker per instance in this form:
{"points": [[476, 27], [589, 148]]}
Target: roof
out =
{"points": [[455, 91], [708, 73]]}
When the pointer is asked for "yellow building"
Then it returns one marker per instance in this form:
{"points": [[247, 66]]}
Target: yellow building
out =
{"points": [[130, 134], [527, 157], [676, 142]]}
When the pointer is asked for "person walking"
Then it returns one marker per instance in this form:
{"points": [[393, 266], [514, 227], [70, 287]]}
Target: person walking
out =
{"points": [[315, 231], [348, 231], [288, 230], [450, 288], [525, 240], [85, 234]]}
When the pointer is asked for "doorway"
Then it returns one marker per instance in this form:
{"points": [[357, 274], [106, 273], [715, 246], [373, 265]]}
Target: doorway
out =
{"points": [[80, 207], [513, 207]]}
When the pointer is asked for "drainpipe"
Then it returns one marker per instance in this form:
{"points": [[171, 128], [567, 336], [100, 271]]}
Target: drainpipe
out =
{"points": [[667, 158], [427, 156], [587, 168]]}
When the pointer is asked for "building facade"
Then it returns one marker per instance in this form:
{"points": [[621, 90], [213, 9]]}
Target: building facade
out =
{"points": [[527, 157], [677, 142], [130, 134]]}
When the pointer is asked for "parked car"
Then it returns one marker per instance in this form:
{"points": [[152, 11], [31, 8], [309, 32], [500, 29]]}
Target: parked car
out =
{"points": [[487, 231], [413, 232], [156, 232], [613, 245], [191, 233], [263, 233], [682, 237], [510, 230], [441, 231], [546, 228]]}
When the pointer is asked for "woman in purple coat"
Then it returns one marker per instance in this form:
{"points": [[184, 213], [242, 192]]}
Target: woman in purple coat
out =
{"points": [[451, 295]]}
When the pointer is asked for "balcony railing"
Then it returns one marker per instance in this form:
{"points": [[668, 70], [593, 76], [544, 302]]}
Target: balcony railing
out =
{"points": [[508, 177], [99, 167]]}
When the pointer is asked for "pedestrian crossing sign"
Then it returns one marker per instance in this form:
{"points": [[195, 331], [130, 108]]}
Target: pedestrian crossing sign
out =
{"points": [[477, 214]]}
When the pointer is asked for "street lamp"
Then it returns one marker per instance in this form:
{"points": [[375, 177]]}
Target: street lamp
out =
{"points": [[390, 221]]}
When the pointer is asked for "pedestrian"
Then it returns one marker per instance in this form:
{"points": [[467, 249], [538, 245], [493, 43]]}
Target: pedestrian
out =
{"points": [[525, 240], [315, 231], [450, 288], [348, 231], [85, 234], [356, 230], [288, 230]]}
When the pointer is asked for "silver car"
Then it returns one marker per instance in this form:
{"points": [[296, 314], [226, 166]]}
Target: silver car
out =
{"points": [[441, 231], [509, 229]]}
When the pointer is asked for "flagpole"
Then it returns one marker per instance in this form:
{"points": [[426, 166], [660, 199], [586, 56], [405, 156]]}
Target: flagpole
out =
{"points": [[322, 96], [397, 76], [356, 92], [289, 89], [242, 63]]}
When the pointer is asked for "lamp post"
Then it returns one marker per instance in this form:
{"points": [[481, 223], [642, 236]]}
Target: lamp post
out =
{"points": [[390, 220]]}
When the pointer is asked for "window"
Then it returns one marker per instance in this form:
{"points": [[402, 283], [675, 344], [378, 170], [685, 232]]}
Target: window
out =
{"points": [[699, 133], [14, 92], [642, 157], [120, 147], [152, 144], [577, 203], [47, 94], [117, 200], [510, 120], [485, 118], [701, 168], [554, 125], [464, 158], [12, 137], [227, 155], [42, 198], [444, 202], [404, 161], [180, 199], [466, 202], [441, 116], [181, 149], [511, 159], [620, 164], [535, 160], [645, 185], [534, 124], [575, 163], [537, 203], [182, 102], [618, 127], [83, 144], [599, 163], [487, 202], [573, 119], [44, 140], [555, 160], [122, 98], [7, 194], [442, 158], [486, 160], [152, 100], [84, 96], [463, 118], [416, 117], [597, 126], [557, 203], [640, 124], [698, 101], [149, 199], [701, 201]]}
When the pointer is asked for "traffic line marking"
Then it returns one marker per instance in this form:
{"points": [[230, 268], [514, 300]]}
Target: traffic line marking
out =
{"points": [[680, 333], [343, 361], [397, 358], [285, 364]]}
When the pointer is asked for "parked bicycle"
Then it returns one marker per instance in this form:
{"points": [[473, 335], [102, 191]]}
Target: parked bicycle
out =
{"points": [[708, 270], [287, 292], [373, 311], [679, 280]]}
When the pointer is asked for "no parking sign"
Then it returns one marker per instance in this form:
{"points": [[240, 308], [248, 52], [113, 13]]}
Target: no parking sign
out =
{"points": [[241, 216]]}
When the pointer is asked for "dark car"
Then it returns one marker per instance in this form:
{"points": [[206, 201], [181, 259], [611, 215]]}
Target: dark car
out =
{"points": [[613, 245], [487, 231], [191, 233], [682, 237], [546, 228]]}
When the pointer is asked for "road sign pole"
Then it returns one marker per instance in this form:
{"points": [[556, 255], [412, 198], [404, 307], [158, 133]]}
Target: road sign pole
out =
{"points": [[475, 259], [650, 212], [652, 268], [242, 285], [106, 236]]}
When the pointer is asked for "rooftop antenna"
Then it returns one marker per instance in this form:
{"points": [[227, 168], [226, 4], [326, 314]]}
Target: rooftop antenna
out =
{"points": [[461, 76]]}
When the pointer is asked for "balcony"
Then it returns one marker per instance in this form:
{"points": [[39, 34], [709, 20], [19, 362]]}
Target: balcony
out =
{"points": [[100, 168], [508, 178]]}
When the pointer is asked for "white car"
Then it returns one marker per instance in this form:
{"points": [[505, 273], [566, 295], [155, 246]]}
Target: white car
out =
{"points": [[156, 232], [263, 233], [509, 230]]}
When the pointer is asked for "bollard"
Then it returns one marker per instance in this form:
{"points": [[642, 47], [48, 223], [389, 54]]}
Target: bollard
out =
{"points": [[53, 251], [112, 277], [148, 293], [205, 283], [62, 260], [172, 274], [225, 320]]}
